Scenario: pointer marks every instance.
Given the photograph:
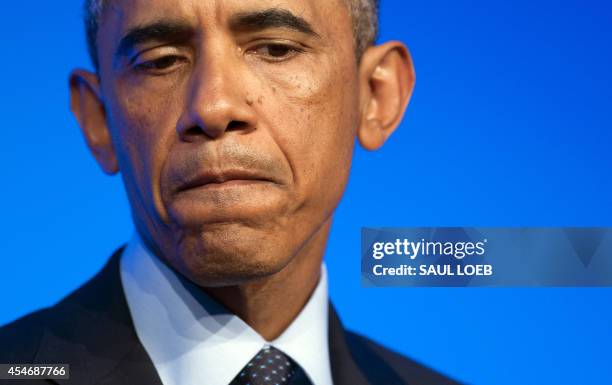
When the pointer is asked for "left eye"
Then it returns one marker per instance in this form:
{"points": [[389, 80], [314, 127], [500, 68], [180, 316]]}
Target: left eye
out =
{"points": [[276, 51]]}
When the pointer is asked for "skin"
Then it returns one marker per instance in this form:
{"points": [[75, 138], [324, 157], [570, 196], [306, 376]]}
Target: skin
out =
{"points": [[235, 144]]}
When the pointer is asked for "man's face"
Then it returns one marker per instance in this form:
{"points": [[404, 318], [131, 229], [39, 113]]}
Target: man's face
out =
{"points": [[233, 122]]}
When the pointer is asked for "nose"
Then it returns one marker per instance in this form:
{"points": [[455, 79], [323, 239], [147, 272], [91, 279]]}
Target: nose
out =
{"points": [[217, 100]]}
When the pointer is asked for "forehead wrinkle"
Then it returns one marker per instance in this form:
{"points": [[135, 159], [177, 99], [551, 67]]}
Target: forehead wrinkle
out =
{"points": [[107, 5]]}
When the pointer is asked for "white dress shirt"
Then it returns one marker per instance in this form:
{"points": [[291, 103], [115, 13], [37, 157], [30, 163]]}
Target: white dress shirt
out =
{"points": [[193, 340]]}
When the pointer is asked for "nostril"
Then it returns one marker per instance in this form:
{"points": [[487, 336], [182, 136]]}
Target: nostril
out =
{"points": [[194, 131], [236, 125], [197, 132]]}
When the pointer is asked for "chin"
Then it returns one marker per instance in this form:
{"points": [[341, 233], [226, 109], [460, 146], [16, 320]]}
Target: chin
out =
{"points": [[230, 254]]}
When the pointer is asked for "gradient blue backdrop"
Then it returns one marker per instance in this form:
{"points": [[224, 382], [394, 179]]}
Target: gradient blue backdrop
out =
{"points": [[510, 125]]}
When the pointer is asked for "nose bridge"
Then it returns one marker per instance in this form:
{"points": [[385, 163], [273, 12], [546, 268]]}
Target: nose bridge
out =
{"points": [[211, 88], [215, 99], [211, 73]]}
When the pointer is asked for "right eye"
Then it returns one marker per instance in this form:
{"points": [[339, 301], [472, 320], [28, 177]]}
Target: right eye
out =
{"points": [[162, 64]]}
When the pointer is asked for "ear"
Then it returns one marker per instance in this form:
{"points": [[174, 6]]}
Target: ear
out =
{"points": [[88, 108], [386, 76]]}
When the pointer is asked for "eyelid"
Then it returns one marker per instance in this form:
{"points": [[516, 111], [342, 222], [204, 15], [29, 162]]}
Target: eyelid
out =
{"points": [[158, 51], [292, 45]]}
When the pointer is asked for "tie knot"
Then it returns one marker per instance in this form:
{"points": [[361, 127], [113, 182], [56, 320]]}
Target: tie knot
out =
{"points": [[270, 366]]}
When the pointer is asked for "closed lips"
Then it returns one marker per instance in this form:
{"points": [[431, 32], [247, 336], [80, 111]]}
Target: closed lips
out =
{"points": [[225, 177]]}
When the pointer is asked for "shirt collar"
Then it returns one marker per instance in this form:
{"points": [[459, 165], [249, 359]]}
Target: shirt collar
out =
{"points": [[192, 339]]}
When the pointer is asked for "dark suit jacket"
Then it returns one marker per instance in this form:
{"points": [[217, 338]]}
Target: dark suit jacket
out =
{"points": [[91, 329]]}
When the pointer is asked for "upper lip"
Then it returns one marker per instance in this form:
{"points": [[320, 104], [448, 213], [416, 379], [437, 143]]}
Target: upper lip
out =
{"points": [[221, 176]]}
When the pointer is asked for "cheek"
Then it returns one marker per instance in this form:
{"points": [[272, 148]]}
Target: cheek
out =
{"points": [[143, 126], [314, 113]]}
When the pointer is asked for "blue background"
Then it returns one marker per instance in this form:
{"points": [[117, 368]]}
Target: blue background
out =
{"points": [[509, 125]]}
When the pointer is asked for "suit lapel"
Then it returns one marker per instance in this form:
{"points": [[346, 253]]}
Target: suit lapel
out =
{"points": [[352, 361], [93, 331], [344, 369]]}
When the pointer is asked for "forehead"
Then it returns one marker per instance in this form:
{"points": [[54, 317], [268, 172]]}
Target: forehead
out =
{"points": [[328, 16]]}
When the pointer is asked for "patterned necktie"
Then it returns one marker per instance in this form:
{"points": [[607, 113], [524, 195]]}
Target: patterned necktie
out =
{"points": [[271, 367]]}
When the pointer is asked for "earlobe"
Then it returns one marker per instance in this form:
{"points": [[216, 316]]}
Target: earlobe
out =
{"points": [[387, 80], [88, 108], [371, 134]]}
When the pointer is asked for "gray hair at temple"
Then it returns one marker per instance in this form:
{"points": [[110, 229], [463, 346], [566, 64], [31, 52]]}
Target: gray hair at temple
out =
{"points": [[363, 12]]}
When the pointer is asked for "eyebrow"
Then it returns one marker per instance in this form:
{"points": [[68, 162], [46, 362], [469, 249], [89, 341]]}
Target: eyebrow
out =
{"points": [[161, 30], [270, 18]]}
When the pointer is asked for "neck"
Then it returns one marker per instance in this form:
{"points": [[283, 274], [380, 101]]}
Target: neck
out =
{"points": [[270, 304]]}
